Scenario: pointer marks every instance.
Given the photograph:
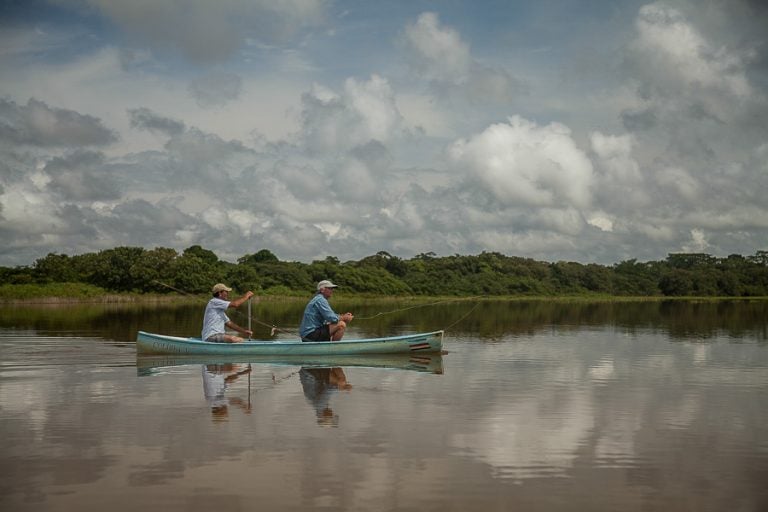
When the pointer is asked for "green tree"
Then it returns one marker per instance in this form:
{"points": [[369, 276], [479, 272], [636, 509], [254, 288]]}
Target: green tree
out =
{"points": [[689, 261], [633, 278], [294, 276], [111, 269], [153, 270], [262, 256], [568, 276], [190, 274], [243, 278], [676, 282], [55, 268], [760, 258], [206, 257]]}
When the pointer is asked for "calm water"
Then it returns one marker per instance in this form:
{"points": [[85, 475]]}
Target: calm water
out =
{"points": [[537, 406]]}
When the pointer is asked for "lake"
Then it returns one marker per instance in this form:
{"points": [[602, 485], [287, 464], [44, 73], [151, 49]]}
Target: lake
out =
{"points": [[537, 405]]}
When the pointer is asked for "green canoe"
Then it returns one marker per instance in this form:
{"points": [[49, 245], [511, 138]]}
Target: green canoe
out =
{"points": [[429, 342]]}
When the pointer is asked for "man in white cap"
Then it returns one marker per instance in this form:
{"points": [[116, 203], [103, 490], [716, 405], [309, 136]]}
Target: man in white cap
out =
{"points": [[320, 322], [216, 320]]}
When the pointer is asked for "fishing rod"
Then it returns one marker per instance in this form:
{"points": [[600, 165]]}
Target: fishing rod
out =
{"points": [[273, 328]]}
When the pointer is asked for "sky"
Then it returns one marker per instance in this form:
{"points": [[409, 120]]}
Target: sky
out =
{"points": [[593, 131]]}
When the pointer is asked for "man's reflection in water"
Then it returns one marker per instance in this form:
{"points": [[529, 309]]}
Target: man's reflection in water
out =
{"points": [[319, 384], [216, 378]]}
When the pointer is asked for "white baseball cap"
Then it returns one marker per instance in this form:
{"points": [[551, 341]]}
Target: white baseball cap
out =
{"points": [[326, 284]]}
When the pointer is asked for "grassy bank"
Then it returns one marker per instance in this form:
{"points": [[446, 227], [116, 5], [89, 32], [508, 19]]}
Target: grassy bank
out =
{"points": [[63, 293]]}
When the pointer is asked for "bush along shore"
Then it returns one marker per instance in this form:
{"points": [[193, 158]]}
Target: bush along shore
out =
{"points": [[128, 274]]}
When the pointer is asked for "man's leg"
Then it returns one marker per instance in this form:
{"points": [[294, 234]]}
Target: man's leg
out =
{"points": [[337, 330]]}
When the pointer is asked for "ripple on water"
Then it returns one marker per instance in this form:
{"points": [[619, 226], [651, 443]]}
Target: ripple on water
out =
{"points": [[31, 350]]}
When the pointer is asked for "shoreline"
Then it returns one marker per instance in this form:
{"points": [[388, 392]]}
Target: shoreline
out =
{"points": [[137, 299]]}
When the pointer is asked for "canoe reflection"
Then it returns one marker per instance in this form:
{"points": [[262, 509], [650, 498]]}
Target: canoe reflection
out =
{"points": [[320, 377], [319, 384], [147, 365]]}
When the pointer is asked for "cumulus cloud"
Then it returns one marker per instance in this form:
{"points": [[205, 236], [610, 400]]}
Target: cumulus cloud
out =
{"points": [[671, 44], [365, 111], [521, 163], [620, 185], [439, 54], [683, 76], [687, 167], [37, 124], [440, 50]]}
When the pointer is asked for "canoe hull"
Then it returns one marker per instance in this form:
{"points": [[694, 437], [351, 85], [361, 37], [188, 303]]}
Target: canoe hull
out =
{"points": [[430, 342]]}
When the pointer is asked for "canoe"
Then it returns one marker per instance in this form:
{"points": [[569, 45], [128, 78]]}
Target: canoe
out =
{"points": [[148, 343], [152, 364]]}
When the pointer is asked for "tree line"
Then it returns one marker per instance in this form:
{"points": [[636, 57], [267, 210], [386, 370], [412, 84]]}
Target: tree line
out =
{"points": [[195, 269]]}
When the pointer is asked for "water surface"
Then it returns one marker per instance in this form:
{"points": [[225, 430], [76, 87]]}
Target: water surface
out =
{"points": [[536, 406]]}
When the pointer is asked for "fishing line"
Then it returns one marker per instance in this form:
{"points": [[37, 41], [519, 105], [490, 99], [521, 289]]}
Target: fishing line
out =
{"points": [[278, 380], [459, 299], [463, 317], [275, 381]]}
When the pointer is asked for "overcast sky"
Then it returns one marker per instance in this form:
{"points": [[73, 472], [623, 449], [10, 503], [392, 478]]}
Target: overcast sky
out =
{"points": [[591, 131]]}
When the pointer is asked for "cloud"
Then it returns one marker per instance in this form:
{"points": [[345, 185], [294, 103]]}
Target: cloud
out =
{"points": [[659, 145], [206, 31], [620, 184], [365, 111], [145, 119], [638, 120], [689, 164], [670, 44], [440, 51], [216, 89], [140, 222], [698, 242], [521, 163], [81, 176], [679, 184], [439, 54], [37, 124]]}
